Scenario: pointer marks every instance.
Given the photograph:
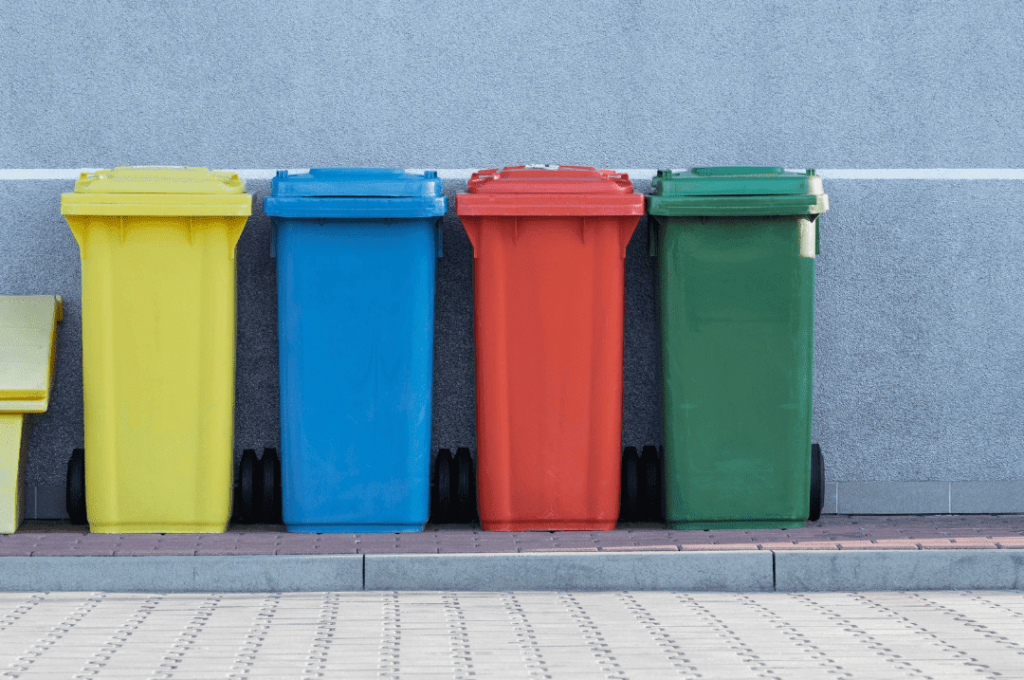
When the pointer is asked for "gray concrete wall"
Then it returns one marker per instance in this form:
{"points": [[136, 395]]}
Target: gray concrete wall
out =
{"points": [[918, 373], [456, 84]]}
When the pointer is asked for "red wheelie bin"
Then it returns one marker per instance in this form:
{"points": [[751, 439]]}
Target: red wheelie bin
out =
{"points": [[549, 244]]}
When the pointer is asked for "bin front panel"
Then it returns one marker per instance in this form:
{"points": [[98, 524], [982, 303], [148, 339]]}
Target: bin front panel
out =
{"points": [[158, 346], [548, 322], [737, 302], [356, 329]]}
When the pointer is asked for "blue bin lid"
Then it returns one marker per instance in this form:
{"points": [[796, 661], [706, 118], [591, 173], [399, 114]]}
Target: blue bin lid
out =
{"points": [[355, 193]]}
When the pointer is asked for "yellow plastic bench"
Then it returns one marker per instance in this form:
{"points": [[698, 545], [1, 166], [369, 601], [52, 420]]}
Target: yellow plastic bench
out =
{"points": [[28, 342]]}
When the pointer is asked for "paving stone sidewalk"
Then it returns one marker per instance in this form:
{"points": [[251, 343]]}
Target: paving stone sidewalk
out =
{"points": [[832, 532], [421, 635]]}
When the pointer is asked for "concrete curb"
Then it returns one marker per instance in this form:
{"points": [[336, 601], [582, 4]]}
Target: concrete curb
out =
{"points": [[746, 570], [183, 574], [721, 571], [850, 570]]}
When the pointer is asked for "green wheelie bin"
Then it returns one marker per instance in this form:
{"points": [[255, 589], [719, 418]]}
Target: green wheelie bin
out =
{"points": [[736, 249]]}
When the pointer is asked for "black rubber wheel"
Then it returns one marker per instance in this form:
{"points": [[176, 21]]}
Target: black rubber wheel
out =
{"points": [[629, 497], [464, 485], [75, 488], [663, 498], [270, 469], [817, 483], [650, 485], [441, 507], [250, 482]]}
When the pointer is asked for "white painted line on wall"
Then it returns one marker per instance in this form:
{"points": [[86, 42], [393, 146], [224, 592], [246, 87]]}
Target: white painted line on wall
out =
{"points": [[926, 173], [454, 174], [266, 174], [463, 174], [37, 174]]}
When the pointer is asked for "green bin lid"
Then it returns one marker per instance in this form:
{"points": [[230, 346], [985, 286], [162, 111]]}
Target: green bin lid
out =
{"points": [[736, 190]]}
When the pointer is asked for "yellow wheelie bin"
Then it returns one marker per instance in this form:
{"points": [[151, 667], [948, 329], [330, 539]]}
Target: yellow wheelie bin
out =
{"points": [[28, 347], [158, 347]]}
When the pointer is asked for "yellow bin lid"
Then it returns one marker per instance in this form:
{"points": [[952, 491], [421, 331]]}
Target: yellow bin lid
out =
{"points": [[28, 331], [158, 191]]}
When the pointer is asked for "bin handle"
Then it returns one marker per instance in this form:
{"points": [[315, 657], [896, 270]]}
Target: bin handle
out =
{"points": [[626, 230], [471, 225], [810, 237], [652, 236]]}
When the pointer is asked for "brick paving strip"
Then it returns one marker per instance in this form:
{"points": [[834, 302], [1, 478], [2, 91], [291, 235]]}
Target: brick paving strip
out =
{"points": [[838, 532], [838, 553]]}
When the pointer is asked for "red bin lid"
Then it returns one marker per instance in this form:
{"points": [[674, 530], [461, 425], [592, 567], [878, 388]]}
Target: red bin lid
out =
{"points": [[549, 190]]}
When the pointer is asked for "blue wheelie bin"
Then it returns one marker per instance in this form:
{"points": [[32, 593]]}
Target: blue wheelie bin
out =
{"points": [[356, 255]]}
